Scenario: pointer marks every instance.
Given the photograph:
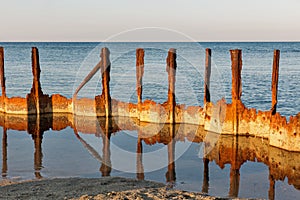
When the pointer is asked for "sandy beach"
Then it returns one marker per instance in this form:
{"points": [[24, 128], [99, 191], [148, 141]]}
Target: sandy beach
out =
{"points": [[84, 189]]}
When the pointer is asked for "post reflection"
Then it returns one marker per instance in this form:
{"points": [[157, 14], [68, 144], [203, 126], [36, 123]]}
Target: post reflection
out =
{"points": [[36, 131], [106, 161], [271, 191], [4, 153], [171, 174], [205, 184], [139, 160], [232, 150], [234, 170], [38, 155]]}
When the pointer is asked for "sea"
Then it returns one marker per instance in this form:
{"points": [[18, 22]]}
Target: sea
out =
{"points": [[65, 64]]}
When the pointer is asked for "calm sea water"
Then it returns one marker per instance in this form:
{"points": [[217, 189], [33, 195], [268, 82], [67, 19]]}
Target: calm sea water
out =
{"points": [[64, 65]]}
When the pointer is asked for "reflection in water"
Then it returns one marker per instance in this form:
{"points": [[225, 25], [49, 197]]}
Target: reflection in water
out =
{"points": [[38, 155], [37, 131], [205, 184], [272, 188], [228, 149], [106, 163], [92, 151], [4, 153], [234, 170], [139, 160], [171, 175]]}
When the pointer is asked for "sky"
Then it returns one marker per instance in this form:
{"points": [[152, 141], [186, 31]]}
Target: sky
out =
{"points": [[174, 20]]}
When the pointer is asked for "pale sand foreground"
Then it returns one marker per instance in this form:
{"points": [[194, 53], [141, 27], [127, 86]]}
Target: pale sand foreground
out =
{"points": [[102, 188]]}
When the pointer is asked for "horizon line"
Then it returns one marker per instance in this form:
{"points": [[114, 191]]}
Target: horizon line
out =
{"points": [[140, 41]]}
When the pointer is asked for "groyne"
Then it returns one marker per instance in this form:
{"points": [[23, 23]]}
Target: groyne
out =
{"points": [[219, 117]]}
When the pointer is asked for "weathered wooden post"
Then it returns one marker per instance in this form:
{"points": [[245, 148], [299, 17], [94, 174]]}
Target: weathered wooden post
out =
{"points": [[2, 76], [171, 69], [105, 70], [275, 76], [207, 76], [36, 89], [139, 73], [236, 68]]}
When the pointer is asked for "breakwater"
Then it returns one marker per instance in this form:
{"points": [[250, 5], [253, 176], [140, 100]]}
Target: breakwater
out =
{"points": [[220, 117]]}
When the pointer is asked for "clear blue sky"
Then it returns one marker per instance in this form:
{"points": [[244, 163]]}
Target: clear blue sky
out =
{"points": [[202, 20]]}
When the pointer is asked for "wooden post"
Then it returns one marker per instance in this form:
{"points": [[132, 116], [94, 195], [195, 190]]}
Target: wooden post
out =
{"points": [[275, 76], [105, 70], [236, 67], [207, 76], [2, 76], [171, 69], [139, 74], [36, 90]]}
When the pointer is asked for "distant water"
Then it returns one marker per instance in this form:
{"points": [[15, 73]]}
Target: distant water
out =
{"points": [[64, 65]]}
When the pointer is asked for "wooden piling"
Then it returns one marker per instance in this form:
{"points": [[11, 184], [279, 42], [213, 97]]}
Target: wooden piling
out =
{"points": [[275, 75], [105, 70], [36, 89], [171, 69], [236, 68], [139, 73], [207, 76], [2, 76]]}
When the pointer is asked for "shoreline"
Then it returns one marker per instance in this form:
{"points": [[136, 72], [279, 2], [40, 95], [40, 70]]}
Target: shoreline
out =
{"points": [[93, 188]]}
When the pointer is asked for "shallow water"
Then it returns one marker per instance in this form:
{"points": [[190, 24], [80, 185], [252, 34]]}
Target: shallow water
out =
{"points": [[59, 147], [182, 156]]}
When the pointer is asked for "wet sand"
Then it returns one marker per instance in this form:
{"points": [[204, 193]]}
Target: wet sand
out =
{"points": [[83, 189]]}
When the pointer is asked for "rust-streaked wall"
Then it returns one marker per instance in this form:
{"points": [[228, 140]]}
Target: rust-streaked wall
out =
{"points": [[216, 117]]}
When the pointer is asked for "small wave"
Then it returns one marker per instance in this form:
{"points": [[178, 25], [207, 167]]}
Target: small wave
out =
{"points": [[295, 51]]}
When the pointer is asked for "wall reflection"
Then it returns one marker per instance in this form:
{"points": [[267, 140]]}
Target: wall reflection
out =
{"points": [[228, 149]]}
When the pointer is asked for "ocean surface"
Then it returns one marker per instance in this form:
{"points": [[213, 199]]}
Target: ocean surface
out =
{"points": [[64, 65]]}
